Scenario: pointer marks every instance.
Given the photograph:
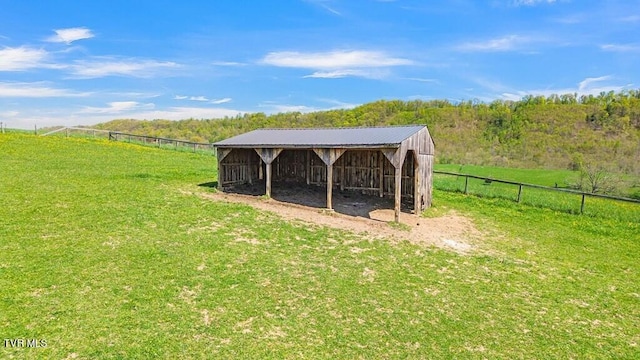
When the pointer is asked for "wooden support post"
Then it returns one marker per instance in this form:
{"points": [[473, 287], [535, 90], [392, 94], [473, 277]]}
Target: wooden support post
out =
{"points": [[381, 169], [329, 186], [417, 206], [466, 184], [582, 204], [249, 167], [342, 178], [308, 168], [398, 193], [519, 192], [268, 187], [220, 171]]}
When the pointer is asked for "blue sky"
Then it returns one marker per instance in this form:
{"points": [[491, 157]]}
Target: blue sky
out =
{"points": [[69, 62]]}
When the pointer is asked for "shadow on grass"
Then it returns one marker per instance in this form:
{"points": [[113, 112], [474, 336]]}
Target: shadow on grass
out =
{"points": [[211, 185]]}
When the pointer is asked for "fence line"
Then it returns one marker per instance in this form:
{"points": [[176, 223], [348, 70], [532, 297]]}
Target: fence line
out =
{"points": [[159, 141], [68, 129], [523, 185]]}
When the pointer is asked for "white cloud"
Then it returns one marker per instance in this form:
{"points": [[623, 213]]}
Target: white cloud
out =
{"points": [[221, 101], [35, 90], [117, 107], [336, 74], [333, 59], [89, 69], [227, 63], [70, 35], [587, 83], [325, 5], [505, 43], [531, 2], [21, 58], [181, 113], [588, 86], [624, 48]]}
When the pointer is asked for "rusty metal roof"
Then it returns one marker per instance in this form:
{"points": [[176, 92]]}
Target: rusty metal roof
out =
{"points": [[388, 136]]}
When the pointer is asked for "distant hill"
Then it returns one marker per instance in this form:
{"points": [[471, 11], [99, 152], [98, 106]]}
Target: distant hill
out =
{"points": [[559, 131]]}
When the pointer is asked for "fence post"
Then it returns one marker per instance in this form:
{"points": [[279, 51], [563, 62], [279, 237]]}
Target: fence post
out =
{"points": [[582, 205], [194, 147], [519, 192], [466, 183], [35, 129]]}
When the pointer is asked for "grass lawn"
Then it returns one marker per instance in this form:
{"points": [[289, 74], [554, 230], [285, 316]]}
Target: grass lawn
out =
{"points": [[107, 251]]}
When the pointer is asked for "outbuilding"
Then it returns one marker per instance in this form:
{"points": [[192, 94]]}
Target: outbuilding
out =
{"points": [[392, 161]]}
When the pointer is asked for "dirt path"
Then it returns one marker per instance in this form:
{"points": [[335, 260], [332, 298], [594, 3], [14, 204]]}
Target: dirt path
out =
{"points": [[451, 231]]}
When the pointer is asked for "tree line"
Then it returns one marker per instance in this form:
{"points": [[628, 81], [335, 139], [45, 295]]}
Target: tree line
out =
{"points": [[557, 131]]}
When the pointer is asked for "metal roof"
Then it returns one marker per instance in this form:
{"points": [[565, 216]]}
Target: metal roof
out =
{"points": [[388, 136]]}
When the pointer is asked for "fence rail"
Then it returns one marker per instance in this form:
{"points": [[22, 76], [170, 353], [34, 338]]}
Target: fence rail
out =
{"points": [[159, 141], [525, 185], [68, 129]]}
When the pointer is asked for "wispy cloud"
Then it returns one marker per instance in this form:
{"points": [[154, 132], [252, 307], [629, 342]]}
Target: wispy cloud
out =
{"points": [[221, 101], [505, 43], [336, 74], [35, 90], [117, 107], [337, 64], [587, 83], [623, 48], [103, 67], [531, 2], [326, 5], [228, 63], [191, 98], [181, 113], [21, 58], [333, 59], [70, 35], [588, 86]]}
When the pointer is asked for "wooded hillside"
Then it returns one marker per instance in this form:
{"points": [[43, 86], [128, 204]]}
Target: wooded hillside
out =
{"points": [[559, 131]]}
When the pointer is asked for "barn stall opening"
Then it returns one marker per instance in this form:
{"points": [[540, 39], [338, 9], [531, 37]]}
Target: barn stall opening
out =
{"points": [[394, 161]]}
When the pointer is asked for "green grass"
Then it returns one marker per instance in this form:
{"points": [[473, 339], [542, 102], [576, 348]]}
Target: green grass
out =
{"points": [[540, 198], [108, 251]]}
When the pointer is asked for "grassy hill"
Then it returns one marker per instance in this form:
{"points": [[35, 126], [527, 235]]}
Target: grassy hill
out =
{"points": [[108, 251], [555, 132]]}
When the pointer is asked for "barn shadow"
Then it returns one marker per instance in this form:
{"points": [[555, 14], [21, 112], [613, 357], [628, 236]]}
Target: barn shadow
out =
{"points": [[347, 202]]}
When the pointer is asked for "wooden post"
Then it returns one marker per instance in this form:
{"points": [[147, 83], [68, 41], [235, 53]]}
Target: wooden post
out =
{"points": [[342, 177], [268, 187], [582, 205], [329, 186], [381, 169], [308, 169], [220, 172], [417, 206], [249, 167], [194, 147], [466, 183], [519, 192], [398, 193], [35, 129]]}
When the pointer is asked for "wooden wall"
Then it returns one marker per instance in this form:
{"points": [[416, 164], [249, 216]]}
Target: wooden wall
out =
{"points": [[368, 170]]}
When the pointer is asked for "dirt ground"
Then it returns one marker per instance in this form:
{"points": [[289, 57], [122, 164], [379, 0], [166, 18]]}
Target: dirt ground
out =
{"points": [[358, 213]]}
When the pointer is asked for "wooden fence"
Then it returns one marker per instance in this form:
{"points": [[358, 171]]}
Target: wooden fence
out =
{"points": [[520, 186], [161, 142]]}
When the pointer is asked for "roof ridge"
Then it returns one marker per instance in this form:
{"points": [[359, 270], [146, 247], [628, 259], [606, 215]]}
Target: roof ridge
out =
{"points": [[345, 127]]}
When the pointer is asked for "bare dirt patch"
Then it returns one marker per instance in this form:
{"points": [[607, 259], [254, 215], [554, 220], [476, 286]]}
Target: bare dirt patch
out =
{"points": [[362, 214]]}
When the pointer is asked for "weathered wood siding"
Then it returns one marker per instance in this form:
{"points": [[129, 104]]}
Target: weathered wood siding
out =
{"points": [[239, 166], [371, 171]]}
